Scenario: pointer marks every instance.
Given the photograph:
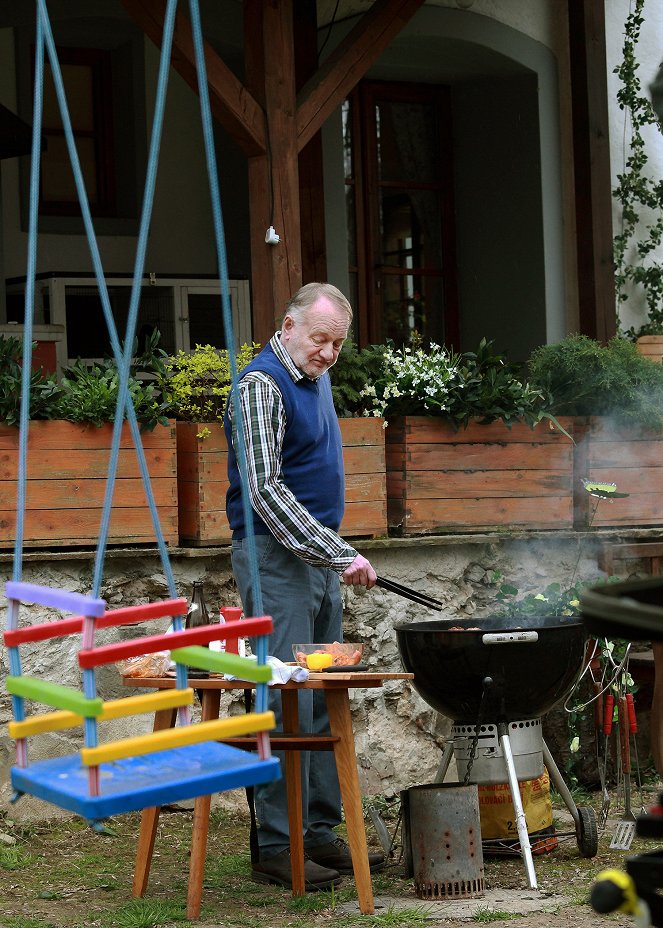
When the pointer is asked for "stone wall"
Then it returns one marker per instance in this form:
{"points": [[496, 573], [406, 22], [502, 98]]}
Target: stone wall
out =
{"points": [[398, 736]]}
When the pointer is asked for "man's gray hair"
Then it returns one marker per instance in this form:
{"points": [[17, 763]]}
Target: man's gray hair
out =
{"points": [[307, 295]]}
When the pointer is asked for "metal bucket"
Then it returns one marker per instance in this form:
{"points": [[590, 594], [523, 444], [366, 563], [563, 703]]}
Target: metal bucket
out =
{"points": [[442, 840]]}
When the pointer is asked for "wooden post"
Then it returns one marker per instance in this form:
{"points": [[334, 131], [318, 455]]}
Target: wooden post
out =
{"points": [[281, 117], [593, 194], [262, 297]]}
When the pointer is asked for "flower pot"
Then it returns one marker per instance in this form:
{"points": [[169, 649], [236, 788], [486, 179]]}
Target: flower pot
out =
{"points": [[630, 457], [67, 469], [202, 474], [651, 346], [486, 477]]}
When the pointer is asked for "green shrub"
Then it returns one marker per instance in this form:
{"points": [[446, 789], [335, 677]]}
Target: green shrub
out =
{"points": [[195, 386], [582, 377], [44, 391], [431, 381]]}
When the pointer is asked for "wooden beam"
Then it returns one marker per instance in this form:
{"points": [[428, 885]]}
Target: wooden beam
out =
{"points": [[349, 62], [591, 157], [232, 105], [260, 207], [311, 174], [280, 110]]}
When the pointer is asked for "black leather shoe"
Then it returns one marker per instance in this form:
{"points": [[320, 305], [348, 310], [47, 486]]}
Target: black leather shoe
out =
{"points": [[336, 854], [277, 869]]}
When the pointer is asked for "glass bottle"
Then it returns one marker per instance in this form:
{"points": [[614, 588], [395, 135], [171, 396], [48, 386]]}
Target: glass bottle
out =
{"points": [[197, 615]]}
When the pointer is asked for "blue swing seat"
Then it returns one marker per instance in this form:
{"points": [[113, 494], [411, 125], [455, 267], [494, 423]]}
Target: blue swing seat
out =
{"points": [[135, 783]]}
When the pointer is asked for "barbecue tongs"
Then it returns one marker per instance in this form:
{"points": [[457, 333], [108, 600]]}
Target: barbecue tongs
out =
{"points": [[407, 593]]}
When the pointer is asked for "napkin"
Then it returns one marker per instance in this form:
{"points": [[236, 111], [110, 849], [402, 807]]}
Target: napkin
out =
{"points": [[281, 672]]}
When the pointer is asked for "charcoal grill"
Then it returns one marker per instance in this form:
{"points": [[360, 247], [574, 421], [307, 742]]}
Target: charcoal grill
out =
{"points": [[495, 677]]}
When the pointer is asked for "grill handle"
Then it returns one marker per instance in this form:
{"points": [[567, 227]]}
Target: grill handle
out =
{"points": [[509, 637]]}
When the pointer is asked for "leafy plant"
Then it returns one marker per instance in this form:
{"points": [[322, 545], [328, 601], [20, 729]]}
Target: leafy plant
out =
{"points": [[479, 384], [580, 376], [88, 393], [411, 381], [44, 392], [354, 369], [491, 388], [639, 194], [195, 386]]}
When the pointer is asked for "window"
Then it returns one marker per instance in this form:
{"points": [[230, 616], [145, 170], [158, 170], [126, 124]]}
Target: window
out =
{"points": [[86, 74], [399, 200]]}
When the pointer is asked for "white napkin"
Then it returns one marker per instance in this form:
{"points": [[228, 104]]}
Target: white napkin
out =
{"points": [[281, 672]]}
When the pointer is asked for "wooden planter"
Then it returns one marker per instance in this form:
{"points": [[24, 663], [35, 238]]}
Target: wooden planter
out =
{"points": [[67, 469], [651, 346], [629, 457], [203, 481], [482, 478]]}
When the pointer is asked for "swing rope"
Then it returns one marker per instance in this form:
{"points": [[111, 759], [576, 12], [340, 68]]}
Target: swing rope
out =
{"points": [[215, 196], [123, 357]]}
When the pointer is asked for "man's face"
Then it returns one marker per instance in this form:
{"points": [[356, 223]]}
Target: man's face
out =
{"points": [[315, 341]]}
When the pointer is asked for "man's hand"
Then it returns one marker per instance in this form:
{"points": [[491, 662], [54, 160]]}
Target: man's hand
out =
{"points": [[360, 573]]}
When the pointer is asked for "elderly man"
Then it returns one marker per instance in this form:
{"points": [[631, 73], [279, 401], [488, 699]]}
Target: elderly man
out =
{"points": [[296, 488]]}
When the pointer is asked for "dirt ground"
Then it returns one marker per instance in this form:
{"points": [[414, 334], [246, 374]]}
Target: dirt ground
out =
{"points": [[61, 874]]}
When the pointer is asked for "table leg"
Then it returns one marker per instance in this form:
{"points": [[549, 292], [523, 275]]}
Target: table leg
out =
{"points": [[164, 718], [340, 722], [293, 779], [201, 809]]}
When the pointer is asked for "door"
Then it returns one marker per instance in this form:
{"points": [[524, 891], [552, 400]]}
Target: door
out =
{"points": [[399, 192]]}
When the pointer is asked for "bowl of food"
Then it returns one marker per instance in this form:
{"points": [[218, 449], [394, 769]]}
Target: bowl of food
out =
{"points": [[319, 656]]}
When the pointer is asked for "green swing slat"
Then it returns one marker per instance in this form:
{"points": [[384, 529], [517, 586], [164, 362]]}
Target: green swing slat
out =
{"points": [[55, 694]]}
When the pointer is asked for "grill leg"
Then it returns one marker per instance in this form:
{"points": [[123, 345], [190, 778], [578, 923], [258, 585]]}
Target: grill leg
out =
{"points": [[560, 785], [521, 824]]}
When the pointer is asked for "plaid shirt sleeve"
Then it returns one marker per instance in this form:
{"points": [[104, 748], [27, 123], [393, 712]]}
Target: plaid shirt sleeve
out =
{"points": [[263, 420]]}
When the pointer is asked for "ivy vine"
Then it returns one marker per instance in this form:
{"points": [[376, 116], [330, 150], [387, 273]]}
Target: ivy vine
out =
{"points": [[635, 244]]}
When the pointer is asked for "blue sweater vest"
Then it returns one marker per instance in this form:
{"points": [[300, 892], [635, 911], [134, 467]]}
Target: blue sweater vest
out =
{"points": [[312, 455]]}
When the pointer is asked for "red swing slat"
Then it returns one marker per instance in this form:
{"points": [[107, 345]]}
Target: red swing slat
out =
{"points": [[109, 653]]}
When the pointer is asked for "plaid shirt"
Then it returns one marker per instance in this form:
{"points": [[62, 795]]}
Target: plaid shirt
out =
{"points": [[264, 421]]}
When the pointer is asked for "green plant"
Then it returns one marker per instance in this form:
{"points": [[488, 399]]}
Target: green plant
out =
{"points": [[485, 915], [580, 377], [641, 196], [491, 388], [430, 380], [44, 391], [88, 393], [14, 858], [195, 386], [354, 368]]}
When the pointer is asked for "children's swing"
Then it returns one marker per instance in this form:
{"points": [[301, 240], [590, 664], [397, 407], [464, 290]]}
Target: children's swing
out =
{"points": [[110, 778]]}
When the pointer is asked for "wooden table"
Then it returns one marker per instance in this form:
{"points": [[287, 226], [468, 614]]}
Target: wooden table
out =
{"points": [[340, 740]]}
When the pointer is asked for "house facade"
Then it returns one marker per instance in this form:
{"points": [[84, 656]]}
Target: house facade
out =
{"points": [[448, 164]]}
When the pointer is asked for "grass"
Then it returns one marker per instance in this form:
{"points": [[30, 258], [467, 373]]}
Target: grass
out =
{"points": [[62, 874], [485, 915]]}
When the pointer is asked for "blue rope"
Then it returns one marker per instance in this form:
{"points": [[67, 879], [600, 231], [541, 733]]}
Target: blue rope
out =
{"points": [[26, 372], [219, 237], [123, 358], [107, 311]]}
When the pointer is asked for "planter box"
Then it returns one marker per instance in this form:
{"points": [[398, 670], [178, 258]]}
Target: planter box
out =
{"points": [[483, 478], [631, 458], [67, 469], [203, 481], [651, 346]]}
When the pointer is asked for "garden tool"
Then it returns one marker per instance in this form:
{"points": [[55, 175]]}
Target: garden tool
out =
{"points": [[603, 725], [633, 727], [625, 830]]}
